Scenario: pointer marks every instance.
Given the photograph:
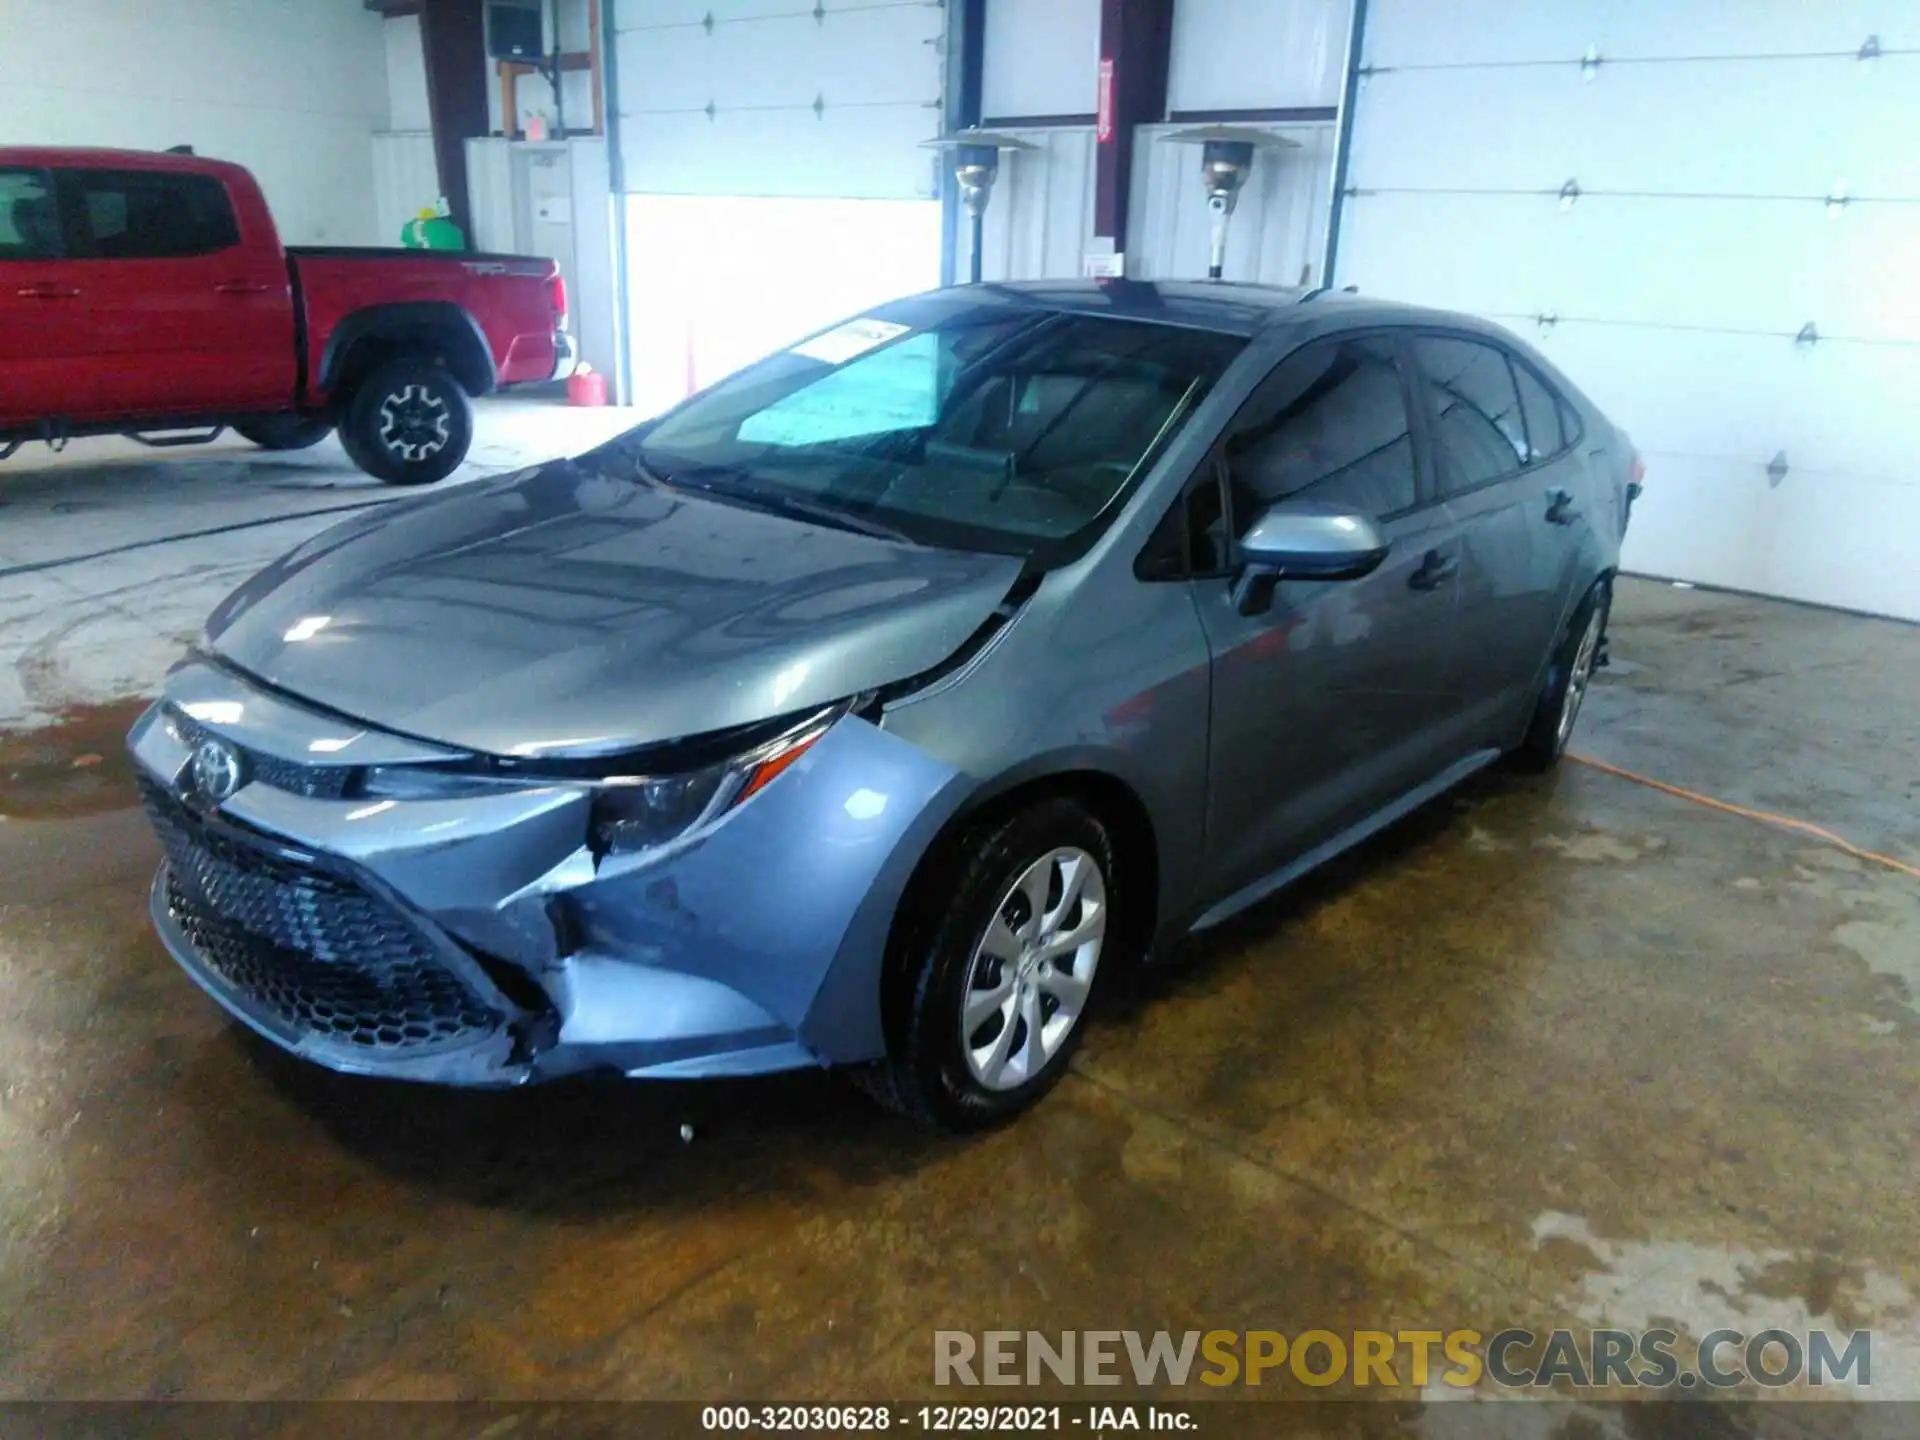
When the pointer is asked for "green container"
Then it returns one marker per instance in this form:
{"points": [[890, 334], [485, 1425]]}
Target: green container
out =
{"points": [[432, 232]]}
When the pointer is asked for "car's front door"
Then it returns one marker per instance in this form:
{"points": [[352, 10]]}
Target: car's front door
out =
{"points": [[1333, 701], [46, 344], [1513, 560]]}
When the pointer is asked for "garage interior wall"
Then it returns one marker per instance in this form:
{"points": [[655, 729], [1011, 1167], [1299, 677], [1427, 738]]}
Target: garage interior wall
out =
{"points": [[771, 160], [406, 175], [550, 198], [1709, 216], [292, 89], [1272, 64]]}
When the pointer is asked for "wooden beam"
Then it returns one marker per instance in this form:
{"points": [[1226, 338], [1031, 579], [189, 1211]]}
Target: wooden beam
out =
{"points": [[454, 35]]}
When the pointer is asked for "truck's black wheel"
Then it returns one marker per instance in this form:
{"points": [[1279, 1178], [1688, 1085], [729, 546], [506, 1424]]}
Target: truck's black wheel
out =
{"points": [[285, 432], [408, 423]]}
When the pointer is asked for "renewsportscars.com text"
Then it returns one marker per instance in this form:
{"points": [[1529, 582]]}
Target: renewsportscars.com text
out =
{"points": [[1513, 1358]]}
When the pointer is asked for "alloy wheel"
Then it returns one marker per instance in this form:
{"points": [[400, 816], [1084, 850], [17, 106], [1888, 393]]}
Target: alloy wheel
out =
{"points": [[415, 423], [1579, 676], [1030, 975]]}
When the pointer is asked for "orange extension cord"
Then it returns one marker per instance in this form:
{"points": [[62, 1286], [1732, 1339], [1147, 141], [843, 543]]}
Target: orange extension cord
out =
{"points": [[1784, 822]]}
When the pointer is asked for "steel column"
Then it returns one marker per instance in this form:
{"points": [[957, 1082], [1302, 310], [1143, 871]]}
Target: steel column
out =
{"points": [[1136, 45], [454, 35]]}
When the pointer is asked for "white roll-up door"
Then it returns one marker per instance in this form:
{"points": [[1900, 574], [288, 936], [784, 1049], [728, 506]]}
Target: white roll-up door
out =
{"points": [[1732, 271], [771, 154]]}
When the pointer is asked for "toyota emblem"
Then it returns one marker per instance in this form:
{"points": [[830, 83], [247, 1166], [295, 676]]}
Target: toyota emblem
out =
{"points": [[217, 772]]}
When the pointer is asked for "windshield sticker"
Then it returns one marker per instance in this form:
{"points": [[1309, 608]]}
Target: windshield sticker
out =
{"points": [[846, 342]]}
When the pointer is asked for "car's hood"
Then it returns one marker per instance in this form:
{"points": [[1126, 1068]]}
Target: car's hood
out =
{"points": [[571, 610]]}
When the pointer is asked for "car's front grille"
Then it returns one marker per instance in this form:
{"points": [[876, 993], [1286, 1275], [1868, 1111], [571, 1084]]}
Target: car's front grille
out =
{"points": [[311, 948], [316, 782]]}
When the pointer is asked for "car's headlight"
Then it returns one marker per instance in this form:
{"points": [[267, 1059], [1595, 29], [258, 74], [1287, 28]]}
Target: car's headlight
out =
{"points": [[632, 812]]}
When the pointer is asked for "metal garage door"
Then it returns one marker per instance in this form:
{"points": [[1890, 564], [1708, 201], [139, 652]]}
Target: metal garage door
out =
{"points": [[771, 155], [1732, 271]]}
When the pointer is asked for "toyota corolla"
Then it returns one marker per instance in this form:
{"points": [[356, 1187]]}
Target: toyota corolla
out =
{"points": [[873, 707]]}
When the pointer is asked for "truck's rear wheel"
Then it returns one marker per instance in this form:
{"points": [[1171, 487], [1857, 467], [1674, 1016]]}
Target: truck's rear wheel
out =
{"points": [[408, 423], [285, 432]]}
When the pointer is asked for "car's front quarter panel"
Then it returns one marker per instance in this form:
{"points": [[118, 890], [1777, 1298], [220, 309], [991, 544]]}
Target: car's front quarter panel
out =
{"points": [[1101, 672]]}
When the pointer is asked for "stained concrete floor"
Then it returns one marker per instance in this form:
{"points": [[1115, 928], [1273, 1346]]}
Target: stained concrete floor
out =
{"points": [[1557, 1051]]}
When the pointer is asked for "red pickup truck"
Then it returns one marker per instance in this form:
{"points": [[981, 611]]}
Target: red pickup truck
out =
{"points": [[149, 295]]}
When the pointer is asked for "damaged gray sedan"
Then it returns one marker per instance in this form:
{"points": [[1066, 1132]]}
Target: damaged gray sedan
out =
{"points": [[873, 707]]}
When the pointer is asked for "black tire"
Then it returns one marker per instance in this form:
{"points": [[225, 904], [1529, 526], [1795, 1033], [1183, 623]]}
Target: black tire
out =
{"points": [[285, 432], [408, 423], [927, 1075], [1571, 669]]}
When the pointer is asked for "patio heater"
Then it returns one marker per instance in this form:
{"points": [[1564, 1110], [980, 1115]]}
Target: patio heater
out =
{"points": [[1226, 159], [976, 165]]}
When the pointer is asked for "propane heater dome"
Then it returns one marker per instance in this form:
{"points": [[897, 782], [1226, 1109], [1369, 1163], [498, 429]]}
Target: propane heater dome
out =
{"points": [[976, 164], [1226, 159]]}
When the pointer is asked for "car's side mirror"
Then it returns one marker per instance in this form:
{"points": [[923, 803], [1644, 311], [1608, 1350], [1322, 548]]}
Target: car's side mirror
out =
{"points": [[1304, 540]]}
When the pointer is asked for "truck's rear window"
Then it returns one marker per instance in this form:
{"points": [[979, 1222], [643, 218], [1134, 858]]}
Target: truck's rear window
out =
{"points": [[148, 215]]}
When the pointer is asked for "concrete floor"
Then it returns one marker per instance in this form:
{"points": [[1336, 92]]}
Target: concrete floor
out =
{"points": [[1566, 1051]]}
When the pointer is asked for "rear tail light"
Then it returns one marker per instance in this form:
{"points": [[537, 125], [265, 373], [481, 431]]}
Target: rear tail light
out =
{"points": [[557, 294], [1637, 478]]}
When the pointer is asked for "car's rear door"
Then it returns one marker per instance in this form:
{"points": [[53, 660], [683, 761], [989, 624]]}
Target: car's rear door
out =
{"points": [[1333, 701], [1571, 475], [193, 317], [46, 343], [1513, 564]]}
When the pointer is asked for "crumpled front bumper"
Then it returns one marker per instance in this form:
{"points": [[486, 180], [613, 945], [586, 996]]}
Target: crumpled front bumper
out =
{"points": [[752, 948]]}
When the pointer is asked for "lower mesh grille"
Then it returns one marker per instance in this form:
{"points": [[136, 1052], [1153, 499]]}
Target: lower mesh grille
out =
{"points": [[311, 948]]}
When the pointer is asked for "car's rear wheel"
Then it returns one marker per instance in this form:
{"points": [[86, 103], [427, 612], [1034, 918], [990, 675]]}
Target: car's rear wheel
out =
{"points": [[994, 988], [1568, 675], [285, 432], [408, 423]]}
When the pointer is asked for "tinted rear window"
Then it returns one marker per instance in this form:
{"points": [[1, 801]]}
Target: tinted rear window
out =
{"points": [[148, 215], [1542, 409], [1480, 433]]}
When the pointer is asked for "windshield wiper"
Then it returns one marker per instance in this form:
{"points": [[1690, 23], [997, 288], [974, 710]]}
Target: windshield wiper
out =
{"points": [[795, 508], [707, 478]]}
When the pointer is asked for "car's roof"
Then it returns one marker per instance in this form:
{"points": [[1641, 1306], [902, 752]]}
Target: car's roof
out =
{"points": [[93, 157], [1226, 306]]}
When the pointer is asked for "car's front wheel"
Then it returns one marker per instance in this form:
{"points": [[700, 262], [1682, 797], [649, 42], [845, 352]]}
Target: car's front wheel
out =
{"points": [[993, 990], [409, 423], [1569, 673]]}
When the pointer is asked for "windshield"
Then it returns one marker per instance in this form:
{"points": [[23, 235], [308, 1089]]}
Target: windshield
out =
{"points": [[995, 428]]}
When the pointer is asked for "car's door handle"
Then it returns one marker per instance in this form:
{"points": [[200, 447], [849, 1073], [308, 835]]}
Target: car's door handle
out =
{"points": [[1435, 570], [47, 292], [1560, 509], [241, 287]]}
